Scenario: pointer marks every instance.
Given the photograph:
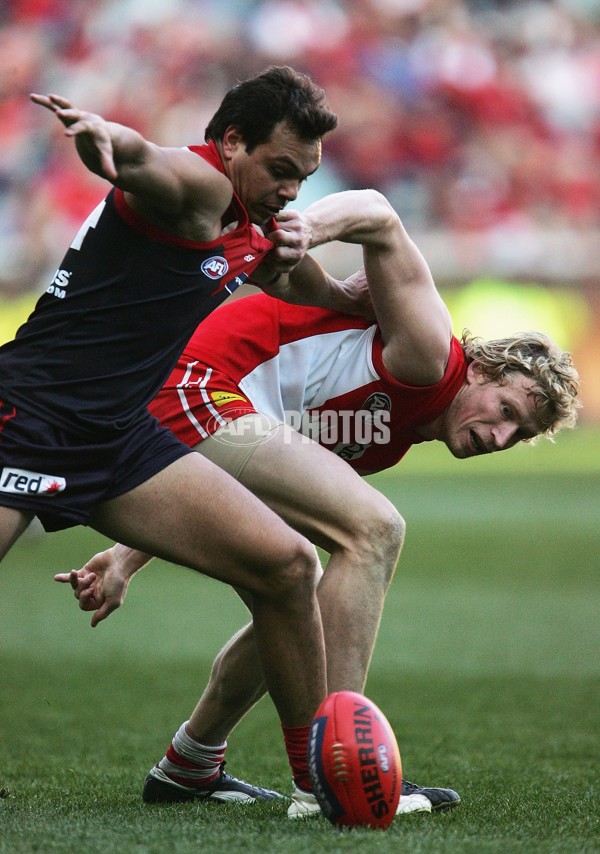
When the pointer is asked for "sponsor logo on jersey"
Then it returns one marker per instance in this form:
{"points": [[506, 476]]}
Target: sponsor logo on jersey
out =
{"points": [[59, 283], [352, 451], [23, 482], [220, 398], [370, 427], [215, 267]]}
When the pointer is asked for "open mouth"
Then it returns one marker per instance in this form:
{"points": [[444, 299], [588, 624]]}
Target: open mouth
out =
{"points": [[476, 443], [272, 210]]}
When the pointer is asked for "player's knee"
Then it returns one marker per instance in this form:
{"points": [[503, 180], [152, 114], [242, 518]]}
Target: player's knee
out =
{"points": [[389, 529], [379, 538], [294, 581]]}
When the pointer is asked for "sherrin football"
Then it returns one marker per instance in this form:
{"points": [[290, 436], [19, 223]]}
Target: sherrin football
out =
{"points": [[354, 762]]}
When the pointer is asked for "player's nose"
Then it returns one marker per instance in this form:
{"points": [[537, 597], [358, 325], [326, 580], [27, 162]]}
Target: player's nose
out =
{"points": [[504, 435], [289, 190]]}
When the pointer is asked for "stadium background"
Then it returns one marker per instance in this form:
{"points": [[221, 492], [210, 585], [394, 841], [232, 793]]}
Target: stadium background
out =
{"points": [[481, 122]]}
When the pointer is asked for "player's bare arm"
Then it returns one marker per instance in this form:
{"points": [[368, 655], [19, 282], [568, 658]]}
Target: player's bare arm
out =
{"points": [[415, 322], [171, 187], [310, 284], [290, 275]]}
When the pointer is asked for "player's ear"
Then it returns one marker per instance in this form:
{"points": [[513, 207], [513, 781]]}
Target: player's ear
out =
{"points": [[232, 141], [475, 373]]}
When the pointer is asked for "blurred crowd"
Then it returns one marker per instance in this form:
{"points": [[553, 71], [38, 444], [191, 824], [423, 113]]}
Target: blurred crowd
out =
{"points": [[476, 118]]}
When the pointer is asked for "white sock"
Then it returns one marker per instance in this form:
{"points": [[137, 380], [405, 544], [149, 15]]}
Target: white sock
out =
{"points": [[190, 763]]}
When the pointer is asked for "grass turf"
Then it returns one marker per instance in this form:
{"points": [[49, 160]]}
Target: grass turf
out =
{"points": [[487, 666]]}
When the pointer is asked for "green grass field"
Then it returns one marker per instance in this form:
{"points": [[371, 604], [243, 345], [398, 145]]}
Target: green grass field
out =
{"points": [[487, 666]]}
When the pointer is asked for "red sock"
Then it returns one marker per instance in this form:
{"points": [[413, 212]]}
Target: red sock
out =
{"points": [[296, 744]]}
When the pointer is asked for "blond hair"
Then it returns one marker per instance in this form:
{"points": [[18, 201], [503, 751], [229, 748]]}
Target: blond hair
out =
{"points": [[556, 381]]}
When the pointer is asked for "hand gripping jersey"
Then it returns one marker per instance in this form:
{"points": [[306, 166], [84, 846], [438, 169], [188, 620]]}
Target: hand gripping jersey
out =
{"points": [[121, 307], [320, 371]]}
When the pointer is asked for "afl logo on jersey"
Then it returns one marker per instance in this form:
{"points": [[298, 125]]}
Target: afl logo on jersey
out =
{"points": [[376, 402], [215, 267]]}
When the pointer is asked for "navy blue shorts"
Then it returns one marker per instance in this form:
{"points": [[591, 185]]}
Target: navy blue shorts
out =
{"points": [[61, 476]]}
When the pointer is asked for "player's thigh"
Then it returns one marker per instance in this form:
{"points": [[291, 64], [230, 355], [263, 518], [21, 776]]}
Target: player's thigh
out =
{"points": [[13, 522], [315, 491], [195, 514]]}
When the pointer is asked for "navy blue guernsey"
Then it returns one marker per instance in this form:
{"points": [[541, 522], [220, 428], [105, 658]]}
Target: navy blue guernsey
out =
{"points": [[122, 305]]}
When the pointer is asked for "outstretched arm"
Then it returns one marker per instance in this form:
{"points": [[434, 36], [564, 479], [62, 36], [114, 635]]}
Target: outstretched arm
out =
{"points": [[173, 183], [414, 321]]}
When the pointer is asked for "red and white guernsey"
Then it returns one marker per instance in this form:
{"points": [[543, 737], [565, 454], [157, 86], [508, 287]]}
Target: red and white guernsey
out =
{"points": [[320, 371]]}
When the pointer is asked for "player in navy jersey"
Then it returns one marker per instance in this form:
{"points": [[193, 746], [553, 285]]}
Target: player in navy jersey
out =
{"points": [[235, 393], [175, 234]]}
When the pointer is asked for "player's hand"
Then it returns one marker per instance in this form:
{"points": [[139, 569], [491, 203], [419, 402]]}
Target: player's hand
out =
{"points": [[99, 586], [94, 141], [291, 240], [356, 290]]}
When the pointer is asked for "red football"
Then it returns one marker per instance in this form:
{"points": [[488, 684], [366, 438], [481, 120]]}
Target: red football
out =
{"points": [[354, 762]]}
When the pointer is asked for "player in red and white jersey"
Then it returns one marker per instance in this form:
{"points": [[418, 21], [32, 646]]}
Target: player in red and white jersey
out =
{"points": [[235, 397], [321, 372]]}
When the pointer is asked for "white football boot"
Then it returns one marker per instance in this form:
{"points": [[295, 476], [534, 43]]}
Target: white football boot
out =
{"points": [[305, 805], [413, 803]]}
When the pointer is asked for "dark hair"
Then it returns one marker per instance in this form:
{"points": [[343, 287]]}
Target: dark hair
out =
{"points": [[278, 94]]}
